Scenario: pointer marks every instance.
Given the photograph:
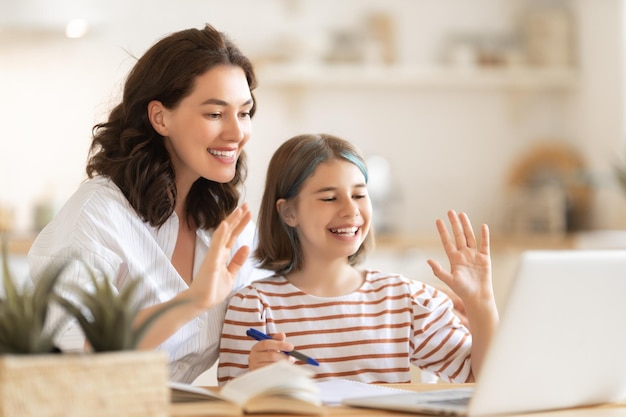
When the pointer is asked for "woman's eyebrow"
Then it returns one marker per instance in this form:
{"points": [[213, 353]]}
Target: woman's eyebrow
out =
{"points": [[215, 101], [219, 102]]}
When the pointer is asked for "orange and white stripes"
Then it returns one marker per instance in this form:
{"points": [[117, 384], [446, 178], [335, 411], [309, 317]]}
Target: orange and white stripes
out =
{"points": [[370, 335]]}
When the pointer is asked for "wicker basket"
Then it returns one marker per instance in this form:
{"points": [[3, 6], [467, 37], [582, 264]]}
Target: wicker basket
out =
{"points": [[116, 384]]}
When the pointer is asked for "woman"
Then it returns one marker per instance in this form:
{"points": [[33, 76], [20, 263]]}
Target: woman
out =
{"points": [[164, 172]]}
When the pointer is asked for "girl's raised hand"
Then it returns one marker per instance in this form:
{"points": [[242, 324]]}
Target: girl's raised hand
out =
{"points": [[470, 278], [216, 276], [470, 262]]}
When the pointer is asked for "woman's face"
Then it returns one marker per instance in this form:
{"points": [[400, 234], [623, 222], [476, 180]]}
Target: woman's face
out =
{"points": [[332, 211], [205, 133]]}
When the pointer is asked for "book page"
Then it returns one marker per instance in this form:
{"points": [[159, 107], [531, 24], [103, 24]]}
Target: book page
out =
{"points": [[281, 404], [270, 377], [185, 392], [334, 391], [281, 387], [299, 389], [191, 400], [204, 409]]}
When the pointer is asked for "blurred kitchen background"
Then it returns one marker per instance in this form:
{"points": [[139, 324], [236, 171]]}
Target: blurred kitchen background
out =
{"points": [[510, 110]]}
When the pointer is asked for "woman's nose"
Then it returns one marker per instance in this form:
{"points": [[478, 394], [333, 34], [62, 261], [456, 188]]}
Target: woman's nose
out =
{"points": [[235, 131]]}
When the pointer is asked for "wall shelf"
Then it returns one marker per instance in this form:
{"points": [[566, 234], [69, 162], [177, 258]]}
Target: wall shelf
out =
{"points": [[315, 75]]}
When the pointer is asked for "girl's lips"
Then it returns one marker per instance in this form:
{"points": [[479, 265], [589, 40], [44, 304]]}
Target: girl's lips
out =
{"points": [[345, 231]]}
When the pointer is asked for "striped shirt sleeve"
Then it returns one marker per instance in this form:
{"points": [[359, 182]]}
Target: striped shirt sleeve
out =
{"points": [[245, 310], [440, 343]]}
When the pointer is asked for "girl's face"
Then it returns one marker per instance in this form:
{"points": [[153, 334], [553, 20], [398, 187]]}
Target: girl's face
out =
{"points": [[205, 133], [332, 211]]}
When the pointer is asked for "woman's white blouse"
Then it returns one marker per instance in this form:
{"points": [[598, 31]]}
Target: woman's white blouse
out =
{"points": [[98, 224]]}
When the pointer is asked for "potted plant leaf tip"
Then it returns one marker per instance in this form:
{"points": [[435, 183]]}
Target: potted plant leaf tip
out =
{"points": [[107, 317], [23, 314], [111, 380]]}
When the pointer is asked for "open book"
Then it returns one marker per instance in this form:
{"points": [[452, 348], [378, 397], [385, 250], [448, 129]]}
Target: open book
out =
{"points": [[281, 387]]}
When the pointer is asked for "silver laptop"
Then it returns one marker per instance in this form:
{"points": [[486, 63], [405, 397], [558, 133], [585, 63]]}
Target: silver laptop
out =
{"points": [[561, 342]]}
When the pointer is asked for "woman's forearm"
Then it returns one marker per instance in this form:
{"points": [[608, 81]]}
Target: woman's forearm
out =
{"points": [[170, 321]]}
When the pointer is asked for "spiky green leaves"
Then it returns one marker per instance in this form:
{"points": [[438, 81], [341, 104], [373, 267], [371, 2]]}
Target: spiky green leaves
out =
{"points": [[23, 312], [108, 317]]}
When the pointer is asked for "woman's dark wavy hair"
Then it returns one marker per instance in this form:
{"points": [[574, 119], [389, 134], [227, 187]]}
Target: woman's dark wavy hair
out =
{"points": [[279, 248], [132, 154]]}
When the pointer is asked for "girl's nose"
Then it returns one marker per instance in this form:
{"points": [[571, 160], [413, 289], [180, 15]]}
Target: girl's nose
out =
{"points": [[350, 208]]}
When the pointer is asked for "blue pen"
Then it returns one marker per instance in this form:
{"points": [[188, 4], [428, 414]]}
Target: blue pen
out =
{"points": [[257, 335]]}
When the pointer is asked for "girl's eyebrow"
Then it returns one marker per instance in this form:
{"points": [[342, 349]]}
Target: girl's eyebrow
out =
{"points": [[326, 189]]}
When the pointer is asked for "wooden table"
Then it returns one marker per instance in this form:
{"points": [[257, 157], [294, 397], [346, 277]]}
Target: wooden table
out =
{"points": [[608, 410]]}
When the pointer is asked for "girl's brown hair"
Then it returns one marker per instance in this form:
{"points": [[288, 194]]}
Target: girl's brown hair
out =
{"points": [[279, 247], [132, 154]]}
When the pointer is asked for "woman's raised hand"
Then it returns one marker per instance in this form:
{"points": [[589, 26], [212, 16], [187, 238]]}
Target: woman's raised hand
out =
{"points": [[216, 276]]}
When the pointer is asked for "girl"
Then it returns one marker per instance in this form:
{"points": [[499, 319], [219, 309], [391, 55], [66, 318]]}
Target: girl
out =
{"points": [[164, 172], [366, 325]]}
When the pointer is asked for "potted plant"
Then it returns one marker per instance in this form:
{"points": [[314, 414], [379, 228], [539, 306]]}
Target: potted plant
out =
{"points": [[113, 379]]}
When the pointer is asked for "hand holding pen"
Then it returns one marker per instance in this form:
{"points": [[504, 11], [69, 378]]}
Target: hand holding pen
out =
{"points": [[257, 335]]}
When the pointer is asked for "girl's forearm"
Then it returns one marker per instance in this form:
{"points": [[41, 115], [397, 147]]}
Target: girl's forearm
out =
{"points": [[483, 319]]}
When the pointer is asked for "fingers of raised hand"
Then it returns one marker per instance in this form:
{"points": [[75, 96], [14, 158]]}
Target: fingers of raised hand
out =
{"points": [[463, 235], [457, 240], [446, 240], [234, 224], [484, 239], [241, 224], [221, 245], [238, 259], [468, 231], [461, 230], [438, 270]]}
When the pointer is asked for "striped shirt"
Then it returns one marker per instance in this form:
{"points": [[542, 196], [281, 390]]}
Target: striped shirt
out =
{"points": [[98, 224], [371, 335]]}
